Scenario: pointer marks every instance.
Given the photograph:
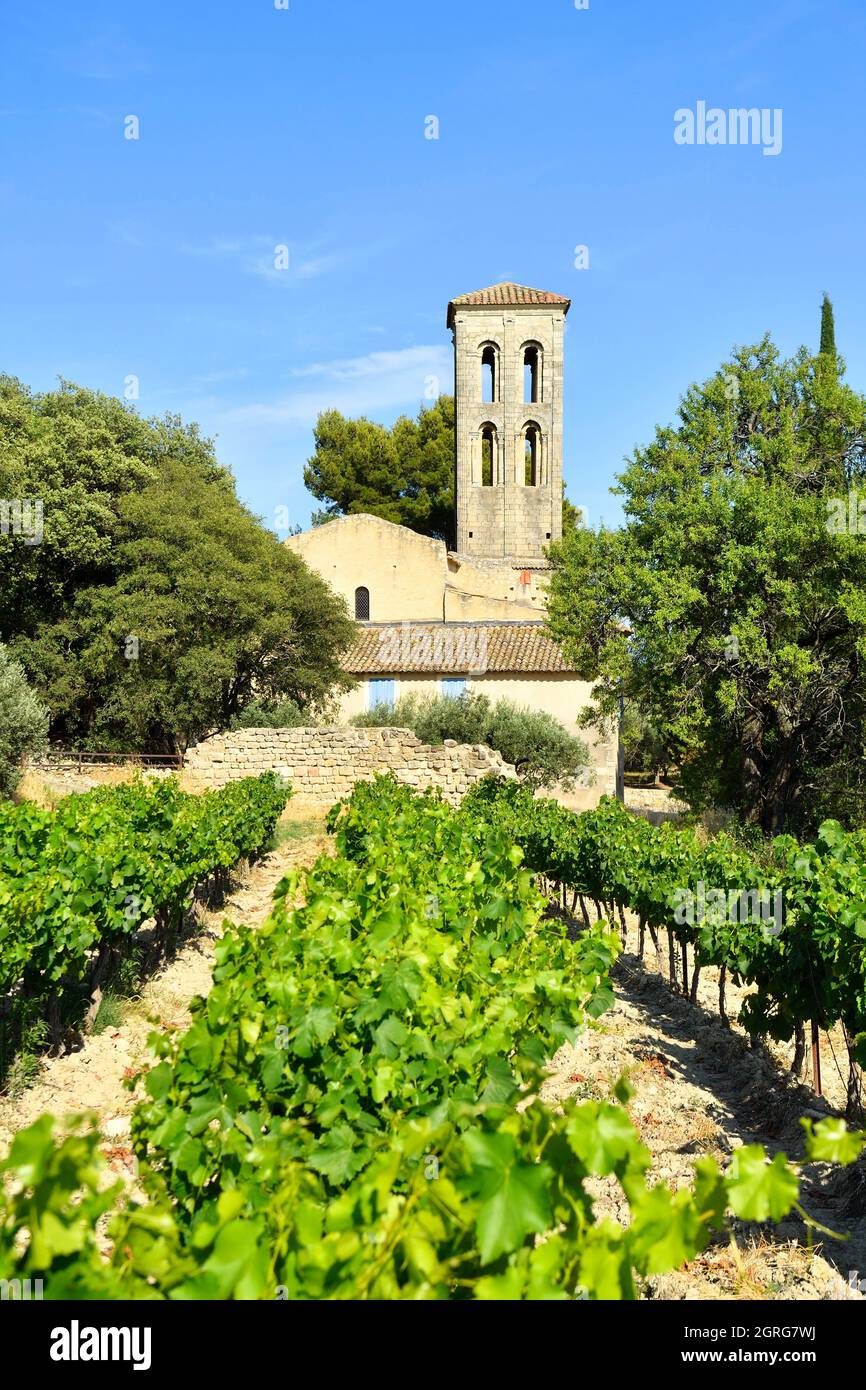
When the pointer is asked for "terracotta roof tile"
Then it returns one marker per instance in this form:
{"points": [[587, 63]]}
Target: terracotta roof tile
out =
{"points": [[507, 293], [458, 648]]}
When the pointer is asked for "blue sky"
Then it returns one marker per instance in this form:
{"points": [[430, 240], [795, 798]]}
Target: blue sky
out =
{"points": [[305, 127]]}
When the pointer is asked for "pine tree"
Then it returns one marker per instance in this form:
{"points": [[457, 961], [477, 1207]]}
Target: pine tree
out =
{"points": [[828, 328]]}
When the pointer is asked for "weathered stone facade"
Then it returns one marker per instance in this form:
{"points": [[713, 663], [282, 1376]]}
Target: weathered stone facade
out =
{"points": [[324, 764], [498, 574], [414, 577], [499, 515]]}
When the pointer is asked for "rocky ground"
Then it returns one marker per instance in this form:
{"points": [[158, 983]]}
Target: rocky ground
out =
{"points": [[700, 1087]]}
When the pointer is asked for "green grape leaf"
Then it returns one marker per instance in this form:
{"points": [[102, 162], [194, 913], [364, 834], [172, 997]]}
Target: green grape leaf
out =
{"points": [[514, 1201], [758, 1189], [831, 1141]]}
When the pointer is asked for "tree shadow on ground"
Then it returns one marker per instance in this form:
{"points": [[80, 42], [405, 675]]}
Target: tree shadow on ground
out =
{"points": [[753, 1101]]}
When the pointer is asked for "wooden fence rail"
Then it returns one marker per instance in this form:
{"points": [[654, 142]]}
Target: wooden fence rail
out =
{"points": [[73, 758]]}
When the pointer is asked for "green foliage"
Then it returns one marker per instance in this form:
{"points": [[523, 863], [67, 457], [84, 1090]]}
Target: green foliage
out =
{"points": [[822, 970], [809, 963], [487, 461], [572, 516], [726, 609], [438, 716], [23, 722], [372, 1025], [58, 1194], [643, 748], [340, 1121], [155, 606], [404, 474], [23, 1039], [543, 752], [110, 1014], [260, 714], [828, 329], [79, 881]]}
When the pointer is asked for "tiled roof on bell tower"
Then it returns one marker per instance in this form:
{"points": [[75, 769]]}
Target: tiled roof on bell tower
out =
{"points": [[506, 293]]}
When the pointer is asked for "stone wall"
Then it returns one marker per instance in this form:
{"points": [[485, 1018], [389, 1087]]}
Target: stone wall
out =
{"points": [[654, 803], [324, 764], [64, 774]]}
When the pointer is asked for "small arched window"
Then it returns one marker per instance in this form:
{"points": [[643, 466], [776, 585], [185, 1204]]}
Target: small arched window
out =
{"points": [[362, 603], [532, 456], [488, 456], [489, 373], [532, 356]]}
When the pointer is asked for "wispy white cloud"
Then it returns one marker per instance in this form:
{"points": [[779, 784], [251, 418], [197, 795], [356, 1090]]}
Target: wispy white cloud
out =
{"points": [[378, 382], [91, 113], [264, 256], [372, 364], [220, 375], [38, 113], [319, 265]]}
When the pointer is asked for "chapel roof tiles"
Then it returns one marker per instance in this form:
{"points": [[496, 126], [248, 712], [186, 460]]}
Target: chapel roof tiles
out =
{"points": [[458, 648]]}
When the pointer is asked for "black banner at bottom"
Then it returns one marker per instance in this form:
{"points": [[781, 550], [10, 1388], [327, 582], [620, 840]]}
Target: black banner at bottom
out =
{"points": [[63, 1340]]}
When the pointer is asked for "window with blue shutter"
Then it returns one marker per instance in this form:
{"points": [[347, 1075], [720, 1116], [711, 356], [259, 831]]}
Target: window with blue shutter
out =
{"points": [[454, 686], [381, 692]]}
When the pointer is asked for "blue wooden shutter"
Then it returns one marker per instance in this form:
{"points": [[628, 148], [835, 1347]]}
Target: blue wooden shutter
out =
{"points": [[381, 692]]}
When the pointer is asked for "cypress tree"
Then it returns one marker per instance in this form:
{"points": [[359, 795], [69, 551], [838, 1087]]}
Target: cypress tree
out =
{"points": [[828, 328]]}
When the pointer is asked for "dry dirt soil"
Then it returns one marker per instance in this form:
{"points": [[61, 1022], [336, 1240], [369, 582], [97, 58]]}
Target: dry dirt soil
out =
{"points": [[702, 1088]]}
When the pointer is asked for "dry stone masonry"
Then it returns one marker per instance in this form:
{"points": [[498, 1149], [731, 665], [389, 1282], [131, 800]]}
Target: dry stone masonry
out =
{"points": [[323, 764], [508, 347]]}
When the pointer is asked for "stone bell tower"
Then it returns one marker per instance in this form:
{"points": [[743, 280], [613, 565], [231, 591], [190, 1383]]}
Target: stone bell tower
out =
{"points": [[508, 400]]}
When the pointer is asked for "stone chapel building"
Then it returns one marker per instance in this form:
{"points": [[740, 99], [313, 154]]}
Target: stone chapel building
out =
{"points": [[438, 621]]}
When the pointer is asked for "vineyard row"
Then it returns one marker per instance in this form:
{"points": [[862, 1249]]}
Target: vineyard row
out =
{"points": [[789, 920], [340, 1120]]}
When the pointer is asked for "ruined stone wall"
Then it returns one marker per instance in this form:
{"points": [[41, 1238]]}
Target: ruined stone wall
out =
{"points": [[62, 774], [324, 764]]}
